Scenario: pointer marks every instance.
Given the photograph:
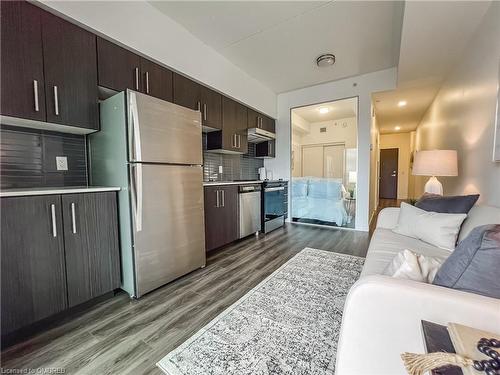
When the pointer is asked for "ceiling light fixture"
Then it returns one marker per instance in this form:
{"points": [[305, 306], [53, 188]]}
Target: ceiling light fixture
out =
{"points": [[326, 59], [397, 128], [402, 103], [324, 110]]}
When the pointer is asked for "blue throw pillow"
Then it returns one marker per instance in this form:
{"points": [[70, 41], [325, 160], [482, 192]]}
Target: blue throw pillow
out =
{"points": [[474, 265]]}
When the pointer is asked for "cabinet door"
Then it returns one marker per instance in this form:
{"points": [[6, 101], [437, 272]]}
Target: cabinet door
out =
{"points": [[118, 68], [221, 215], [253, 118], [211, 108], [33, 270], [22, 92], [70, 67], [234, 126], [268, 124], [157, 80], [186, 92], [91, 243]]}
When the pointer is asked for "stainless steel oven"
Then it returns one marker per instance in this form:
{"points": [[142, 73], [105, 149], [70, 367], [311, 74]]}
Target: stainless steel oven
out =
{"points": [[274, 205]]}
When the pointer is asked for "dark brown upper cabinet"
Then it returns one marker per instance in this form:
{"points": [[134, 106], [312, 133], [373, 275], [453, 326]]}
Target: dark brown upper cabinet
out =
{"points": [[199, 98], [70, 70], [118, 68], [22, 86], [258, 120], [157, 80], [233, 136]]}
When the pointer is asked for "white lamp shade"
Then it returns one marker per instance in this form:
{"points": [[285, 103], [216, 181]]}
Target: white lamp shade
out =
{"points": [[435, 163], [353, 177]]}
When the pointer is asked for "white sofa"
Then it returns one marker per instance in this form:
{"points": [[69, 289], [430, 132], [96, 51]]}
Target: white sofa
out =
{"points": [[382, 314]]}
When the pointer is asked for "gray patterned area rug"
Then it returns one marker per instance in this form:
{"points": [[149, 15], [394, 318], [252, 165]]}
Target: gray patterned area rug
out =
{"points": [[288, 324]]}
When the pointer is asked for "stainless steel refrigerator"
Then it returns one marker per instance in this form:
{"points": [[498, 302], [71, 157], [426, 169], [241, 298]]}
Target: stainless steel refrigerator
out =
{"points": [[152, 149]]}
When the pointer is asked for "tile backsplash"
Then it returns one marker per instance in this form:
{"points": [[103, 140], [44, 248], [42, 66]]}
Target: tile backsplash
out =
{"points": [[235, 167], [28, 158]]}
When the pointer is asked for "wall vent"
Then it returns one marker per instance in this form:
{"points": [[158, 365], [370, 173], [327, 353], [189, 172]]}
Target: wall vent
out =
{"points": [[322, 130]]}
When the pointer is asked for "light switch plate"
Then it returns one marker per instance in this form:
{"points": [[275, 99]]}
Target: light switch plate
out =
{"points": [[220, 169], [61, 163]]}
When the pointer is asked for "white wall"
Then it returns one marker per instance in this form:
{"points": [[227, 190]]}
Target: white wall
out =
{"points": [[143, 28], [361, 86], [374, 166], [462, 116], [401, 141], [335, 132]]}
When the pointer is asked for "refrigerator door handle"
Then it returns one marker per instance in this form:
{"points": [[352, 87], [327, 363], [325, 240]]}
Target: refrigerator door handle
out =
{"points": [[136, 134], [136, 188]]}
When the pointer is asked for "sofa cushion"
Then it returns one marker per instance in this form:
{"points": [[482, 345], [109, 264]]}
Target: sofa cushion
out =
{"points": [[435, 228], [475, 263], [384, 246], [479, 215], [457, 204]]}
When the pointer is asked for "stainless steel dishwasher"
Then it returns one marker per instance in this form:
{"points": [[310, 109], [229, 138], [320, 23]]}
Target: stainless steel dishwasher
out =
{"points": [[249, 208]]}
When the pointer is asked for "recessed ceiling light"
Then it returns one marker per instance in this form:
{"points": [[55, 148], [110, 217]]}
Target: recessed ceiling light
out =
{"points": [[326, 59], [324, 110], [402, 103], [397, 128]]}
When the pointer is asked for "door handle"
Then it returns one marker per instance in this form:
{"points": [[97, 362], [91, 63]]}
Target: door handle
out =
{"points": [[269, 148], [223, 198], [35, 94], [56, 101], [205, 111], [217, 205], [73, 218], [198, 106], [137, 79], [53, 217], [136, 190], [147, 82]]}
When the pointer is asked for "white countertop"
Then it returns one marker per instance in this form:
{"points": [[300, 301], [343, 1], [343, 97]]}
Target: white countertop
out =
{"points": [[55, 190], [216, 183]]}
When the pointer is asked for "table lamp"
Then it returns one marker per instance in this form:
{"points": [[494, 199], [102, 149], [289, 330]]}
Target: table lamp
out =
{"points": [[435, 163]]}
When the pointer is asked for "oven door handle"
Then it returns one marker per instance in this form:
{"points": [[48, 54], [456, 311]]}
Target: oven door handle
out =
{"points": [[274, 189]]}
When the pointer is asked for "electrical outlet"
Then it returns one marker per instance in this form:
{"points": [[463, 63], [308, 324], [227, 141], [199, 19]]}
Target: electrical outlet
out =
{"points": [[61, 163], [220, 169]]}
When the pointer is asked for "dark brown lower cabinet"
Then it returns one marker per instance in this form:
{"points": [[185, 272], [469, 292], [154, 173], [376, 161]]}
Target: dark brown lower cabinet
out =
{"points": [[33, 265], [221, 215], [57, 251], [91, 243]]}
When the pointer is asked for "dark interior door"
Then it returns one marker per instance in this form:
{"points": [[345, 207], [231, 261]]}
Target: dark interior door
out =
{"points": [[388, 187], [23, 93], [91, 241], [33, 270], [70, 65]]}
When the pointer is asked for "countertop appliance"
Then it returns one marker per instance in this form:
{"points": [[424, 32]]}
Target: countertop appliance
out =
{"points": [[152, 149], [275, 204], [262, 173], [250, 209]]}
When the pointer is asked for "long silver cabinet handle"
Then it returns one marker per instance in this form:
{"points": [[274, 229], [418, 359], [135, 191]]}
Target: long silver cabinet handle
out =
{"points": [[147, 82], [238, 137], [218, 199], [198, 106], [35, 94], [223, 198], [56, 101], [137, 79], [205, 111], [53, 217], [73, 218]]}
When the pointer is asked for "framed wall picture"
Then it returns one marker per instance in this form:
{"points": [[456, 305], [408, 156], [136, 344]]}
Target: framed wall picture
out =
{"points": [[496, 144]]}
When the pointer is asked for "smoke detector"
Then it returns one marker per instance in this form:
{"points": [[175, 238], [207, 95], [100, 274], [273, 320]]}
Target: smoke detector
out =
{"points": [[326, 59]]}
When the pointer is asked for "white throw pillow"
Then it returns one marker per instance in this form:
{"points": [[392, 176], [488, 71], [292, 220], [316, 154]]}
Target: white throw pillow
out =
{"points": [[412, 266], [438, 229]]}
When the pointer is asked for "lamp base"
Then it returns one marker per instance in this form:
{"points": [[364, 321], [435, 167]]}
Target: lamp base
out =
{"points": [[433, 186]]}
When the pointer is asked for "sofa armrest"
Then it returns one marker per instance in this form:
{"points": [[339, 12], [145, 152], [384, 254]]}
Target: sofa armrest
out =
{"points": [[388, 218], [382, 319]]}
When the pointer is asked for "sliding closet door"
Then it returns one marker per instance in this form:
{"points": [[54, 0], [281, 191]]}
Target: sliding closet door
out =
{"points": [[334, 161], [312, 161]]}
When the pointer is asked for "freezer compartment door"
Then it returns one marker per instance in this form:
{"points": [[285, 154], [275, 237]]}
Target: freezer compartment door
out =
{"points": [[168, 223], [162, 132]]}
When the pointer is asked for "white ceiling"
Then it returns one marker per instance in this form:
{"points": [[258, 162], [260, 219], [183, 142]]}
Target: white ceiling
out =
{"points": [[434, 37], [337, 110], [277, 42]]}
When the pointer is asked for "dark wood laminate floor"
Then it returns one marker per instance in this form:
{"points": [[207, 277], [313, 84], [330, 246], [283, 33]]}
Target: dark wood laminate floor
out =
{"points": [[124, 336]]}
